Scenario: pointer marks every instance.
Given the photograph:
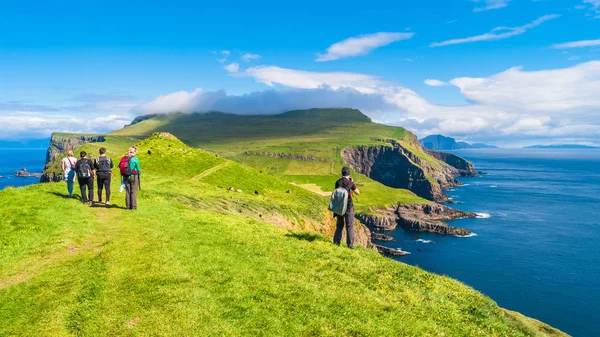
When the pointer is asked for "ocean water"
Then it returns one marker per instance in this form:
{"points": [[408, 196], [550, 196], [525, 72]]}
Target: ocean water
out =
{"points": [[537, 248], [12, 160]]}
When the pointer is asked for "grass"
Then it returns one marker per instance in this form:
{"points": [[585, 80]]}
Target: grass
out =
{"points": [[318, 133], [199, 260]]}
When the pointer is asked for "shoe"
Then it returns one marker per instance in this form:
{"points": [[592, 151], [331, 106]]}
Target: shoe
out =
{"points": [[91, 203], [107, 203]]}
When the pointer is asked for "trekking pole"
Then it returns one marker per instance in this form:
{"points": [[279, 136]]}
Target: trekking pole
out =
{"points": [[140, 181]]}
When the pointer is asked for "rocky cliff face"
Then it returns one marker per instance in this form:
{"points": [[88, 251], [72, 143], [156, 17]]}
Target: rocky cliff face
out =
{"points": [[462, 166], [393, 167], [58, 146], [399, 167], [420, 218]]}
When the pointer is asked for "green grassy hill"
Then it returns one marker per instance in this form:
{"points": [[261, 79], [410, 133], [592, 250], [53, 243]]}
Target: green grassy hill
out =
{"points": [[199, 260], [303, 147]]}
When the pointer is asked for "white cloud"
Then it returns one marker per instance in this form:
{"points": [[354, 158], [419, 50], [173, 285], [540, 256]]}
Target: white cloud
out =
{"points": [[594, 7], [361, 45], [225, 52], [41, 126], [232, 67], [542, 103], [490, 4], [271, 75], [250, 57], [569, 89], [434, 83], [577, 44], [498, 33]]}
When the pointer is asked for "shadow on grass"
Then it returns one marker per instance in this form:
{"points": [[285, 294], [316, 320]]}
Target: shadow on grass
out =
{"points": [[99, 205], [66, 196], [306, 236]]}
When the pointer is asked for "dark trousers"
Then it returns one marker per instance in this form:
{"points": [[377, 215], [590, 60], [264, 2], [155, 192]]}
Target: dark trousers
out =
{"points": [[86, 183], [132, 185], [348, 219], [103, 182]]}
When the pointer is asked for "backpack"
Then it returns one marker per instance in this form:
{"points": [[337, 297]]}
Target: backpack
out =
{"points": [[103, 165], [339, 201], [125, 166], [85, 169]]}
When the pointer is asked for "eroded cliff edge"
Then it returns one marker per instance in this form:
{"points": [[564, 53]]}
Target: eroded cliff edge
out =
{"points": [[406, 165], [59, 145]]}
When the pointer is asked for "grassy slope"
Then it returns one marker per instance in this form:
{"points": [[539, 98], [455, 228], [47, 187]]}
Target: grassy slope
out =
{"points": [[315, 133], [195, 259]]}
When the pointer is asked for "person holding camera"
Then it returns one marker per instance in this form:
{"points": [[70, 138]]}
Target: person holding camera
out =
{"points": [[348, 218]]}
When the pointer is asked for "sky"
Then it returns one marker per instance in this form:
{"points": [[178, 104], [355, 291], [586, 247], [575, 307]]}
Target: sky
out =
{"points": [[505, 72]]}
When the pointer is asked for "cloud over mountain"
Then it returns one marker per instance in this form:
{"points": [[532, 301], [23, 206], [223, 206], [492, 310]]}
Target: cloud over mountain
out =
{"points": [[559, 102]]}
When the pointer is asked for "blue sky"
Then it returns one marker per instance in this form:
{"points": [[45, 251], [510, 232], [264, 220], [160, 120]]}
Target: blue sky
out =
{"points": [[91, 66]]}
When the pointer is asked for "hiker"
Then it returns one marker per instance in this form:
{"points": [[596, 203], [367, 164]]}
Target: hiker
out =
{"points": [[130, 169], [344, 187], [68, 167], [85, 176], [103, 166]]}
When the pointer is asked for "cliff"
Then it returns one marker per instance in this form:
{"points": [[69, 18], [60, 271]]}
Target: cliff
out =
{"points": [[420, 218], [406, 165], [439, 142], [59, 144]]}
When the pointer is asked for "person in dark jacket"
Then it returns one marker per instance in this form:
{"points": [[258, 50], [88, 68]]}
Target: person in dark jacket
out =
{"points": [[348, 219], [103, 166], [85, 177]]}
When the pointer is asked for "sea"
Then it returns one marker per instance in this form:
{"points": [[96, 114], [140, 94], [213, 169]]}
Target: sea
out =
{"points": [[536, 248], [12, 160]]}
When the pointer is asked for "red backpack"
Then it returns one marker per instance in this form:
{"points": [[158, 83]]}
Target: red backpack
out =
{"points": [[125, 166]]}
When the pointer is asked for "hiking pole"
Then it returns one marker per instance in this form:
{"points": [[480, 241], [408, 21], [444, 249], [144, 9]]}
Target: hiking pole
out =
{"points": [[140, 181]]}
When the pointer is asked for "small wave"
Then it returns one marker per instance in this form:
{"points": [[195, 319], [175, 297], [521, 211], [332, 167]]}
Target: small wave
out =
{"points": [[466, 236], [483, 215], [425, 241], [493, 186], [465, 185]]}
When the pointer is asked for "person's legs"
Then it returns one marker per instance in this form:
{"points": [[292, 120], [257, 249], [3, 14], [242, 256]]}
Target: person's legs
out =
{"points": [[82, 187], [70, 186], [134, 188], [349, 217], [90, 186], [128, 189], [100, 186], [339, 227], [107, 187]]}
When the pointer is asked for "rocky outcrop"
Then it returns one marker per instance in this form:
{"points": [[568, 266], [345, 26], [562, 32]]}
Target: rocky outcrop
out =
{"points": [[392, 167], [424, 172], [420, 218], [463, 167], [381, 237], [383, 250], [430, 218], [59, 144], [24, 173]]}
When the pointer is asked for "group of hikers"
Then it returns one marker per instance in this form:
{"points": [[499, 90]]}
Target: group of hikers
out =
{"points": [[100, 169]]}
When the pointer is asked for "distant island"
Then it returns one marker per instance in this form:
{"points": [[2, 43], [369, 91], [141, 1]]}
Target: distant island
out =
{"points": [[439, 142], [24, 173], [561, 146]]}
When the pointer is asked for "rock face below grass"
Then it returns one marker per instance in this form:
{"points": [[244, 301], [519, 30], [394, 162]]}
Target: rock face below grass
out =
{"points": [[401, 166], [59, 144], [420, 218]]}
